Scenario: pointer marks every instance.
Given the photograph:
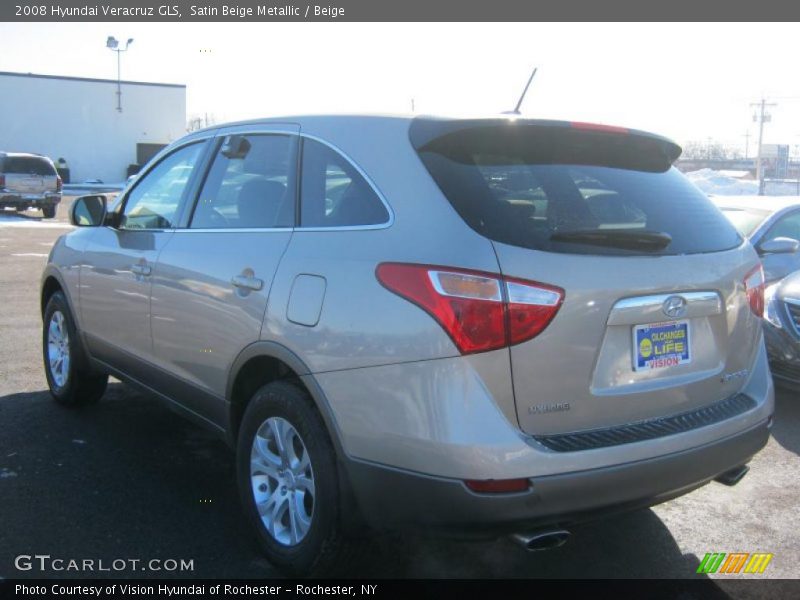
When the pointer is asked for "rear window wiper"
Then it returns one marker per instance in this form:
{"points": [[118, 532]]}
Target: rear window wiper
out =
{"points": [[627, 239]]}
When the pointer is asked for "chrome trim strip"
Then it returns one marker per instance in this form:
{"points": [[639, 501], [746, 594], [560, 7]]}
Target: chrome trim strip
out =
{"points": [[632, 311], [792, 321], [237, 230]]}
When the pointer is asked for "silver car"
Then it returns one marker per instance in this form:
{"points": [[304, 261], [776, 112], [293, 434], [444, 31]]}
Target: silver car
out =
{"points": [[29, 181], [772, 224], [489, 327]]}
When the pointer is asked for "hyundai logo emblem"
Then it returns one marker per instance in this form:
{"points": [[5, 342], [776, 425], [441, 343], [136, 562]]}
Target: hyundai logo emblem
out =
{"points": [[674, 306]]}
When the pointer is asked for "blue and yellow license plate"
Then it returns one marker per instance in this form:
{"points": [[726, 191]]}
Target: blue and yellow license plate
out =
{"points": [[661, 345]]}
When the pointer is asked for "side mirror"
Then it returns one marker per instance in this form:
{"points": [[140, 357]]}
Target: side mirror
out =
{"points": [[88, 211], [235, 147], [779, 245]]}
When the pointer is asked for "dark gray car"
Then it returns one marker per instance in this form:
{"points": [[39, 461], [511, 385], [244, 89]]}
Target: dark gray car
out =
{"points": [[782, 328]]}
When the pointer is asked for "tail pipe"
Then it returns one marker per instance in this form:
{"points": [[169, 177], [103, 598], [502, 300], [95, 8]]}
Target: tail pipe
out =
{"points": [[541, 540], [733, 476]]}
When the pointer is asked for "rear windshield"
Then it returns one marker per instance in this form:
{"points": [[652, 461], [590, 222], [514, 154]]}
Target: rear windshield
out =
{"points": [[564, 190], [28, 165]]}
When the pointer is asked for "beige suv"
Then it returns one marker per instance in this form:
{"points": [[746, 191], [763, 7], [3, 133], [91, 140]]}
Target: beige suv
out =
{"points": [[480, 327]]}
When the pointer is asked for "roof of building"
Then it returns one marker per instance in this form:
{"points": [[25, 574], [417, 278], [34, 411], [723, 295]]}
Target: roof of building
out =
{"points": [[90, 80]]}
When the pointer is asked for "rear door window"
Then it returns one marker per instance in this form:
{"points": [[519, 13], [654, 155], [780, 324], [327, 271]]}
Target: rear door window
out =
{"points": [[250, 184], [561, 190], [334, 193]]}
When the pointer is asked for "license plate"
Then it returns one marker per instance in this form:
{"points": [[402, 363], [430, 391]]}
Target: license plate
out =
{"points": [[661, 345]]}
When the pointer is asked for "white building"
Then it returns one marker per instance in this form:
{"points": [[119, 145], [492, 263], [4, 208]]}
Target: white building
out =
{"points": [[77, 119]]}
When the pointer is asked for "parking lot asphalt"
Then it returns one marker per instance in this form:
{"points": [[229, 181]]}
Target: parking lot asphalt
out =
{"points": [[130, 479]]}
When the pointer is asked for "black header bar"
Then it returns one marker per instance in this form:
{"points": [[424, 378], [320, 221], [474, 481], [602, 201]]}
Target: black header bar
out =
{"points": [[399, 10]]}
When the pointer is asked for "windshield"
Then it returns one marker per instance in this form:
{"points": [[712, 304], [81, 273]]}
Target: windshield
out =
{"points": [[561, 190], [744, 220]]}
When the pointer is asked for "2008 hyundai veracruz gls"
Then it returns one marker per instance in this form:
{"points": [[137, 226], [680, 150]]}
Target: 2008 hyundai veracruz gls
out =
{"points": [[486, 327]]}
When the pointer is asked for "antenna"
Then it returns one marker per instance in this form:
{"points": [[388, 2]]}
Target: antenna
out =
{"points": [[522, 97]]}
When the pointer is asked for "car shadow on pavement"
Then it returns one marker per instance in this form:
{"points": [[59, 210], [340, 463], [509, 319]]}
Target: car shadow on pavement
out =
{"points": [[786, 426], [128, 478]]}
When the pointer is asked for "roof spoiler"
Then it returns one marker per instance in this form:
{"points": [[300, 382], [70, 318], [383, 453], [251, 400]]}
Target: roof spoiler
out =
{"points": [[621, 145]]}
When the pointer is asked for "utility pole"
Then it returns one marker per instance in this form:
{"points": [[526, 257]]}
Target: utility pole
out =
{"points": [[746, 137], [761, 117]]}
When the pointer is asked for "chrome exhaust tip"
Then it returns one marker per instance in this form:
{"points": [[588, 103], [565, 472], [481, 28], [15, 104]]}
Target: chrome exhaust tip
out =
{"points": [[542, 540], [732, 477]]}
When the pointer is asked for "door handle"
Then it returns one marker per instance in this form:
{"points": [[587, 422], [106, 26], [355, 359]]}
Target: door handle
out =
{"points": [[140, 269], [247, 282]]}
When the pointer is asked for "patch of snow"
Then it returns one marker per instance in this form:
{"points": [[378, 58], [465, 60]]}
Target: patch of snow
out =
{"points": [[18, 221], [79, 442], [7, 473], [719, 184]]}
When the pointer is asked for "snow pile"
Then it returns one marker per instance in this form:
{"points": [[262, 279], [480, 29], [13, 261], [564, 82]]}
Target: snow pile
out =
{"points": [[719, 184]]}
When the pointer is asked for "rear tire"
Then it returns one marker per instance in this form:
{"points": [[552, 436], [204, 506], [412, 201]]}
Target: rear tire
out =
{"points": [[70, 381], [49, 212], [302, 480]]}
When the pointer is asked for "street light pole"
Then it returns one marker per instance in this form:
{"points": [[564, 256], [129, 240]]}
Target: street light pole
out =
{"points": [[119, 82], [113, 44]]}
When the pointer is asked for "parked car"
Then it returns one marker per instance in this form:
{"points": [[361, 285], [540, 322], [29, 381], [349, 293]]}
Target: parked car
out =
{"points": [[29, 181], [490, 327], [772, 223], [782, 328]]}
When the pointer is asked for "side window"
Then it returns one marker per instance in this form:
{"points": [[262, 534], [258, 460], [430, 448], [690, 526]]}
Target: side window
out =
{"points": [[154, 202], [250, 184], [788, 226], [333, 193]]}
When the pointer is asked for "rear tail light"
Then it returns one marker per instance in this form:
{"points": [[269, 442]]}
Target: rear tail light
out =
{"points": [[479, 311], [59, 183], [2, 180], [754, 288]]}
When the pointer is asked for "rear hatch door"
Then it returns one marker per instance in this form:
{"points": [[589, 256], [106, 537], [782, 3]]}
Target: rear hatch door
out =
{"points": [[655, 318]]}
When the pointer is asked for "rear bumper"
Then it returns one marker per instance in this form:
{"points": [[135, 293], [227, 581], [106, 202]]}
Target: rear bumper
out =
{"points": [[15, 199], [390, 498]]}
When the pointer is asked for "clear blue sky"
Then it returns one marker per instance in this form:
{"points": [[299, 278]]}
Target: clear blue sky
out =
{"points": [[687, 81]]}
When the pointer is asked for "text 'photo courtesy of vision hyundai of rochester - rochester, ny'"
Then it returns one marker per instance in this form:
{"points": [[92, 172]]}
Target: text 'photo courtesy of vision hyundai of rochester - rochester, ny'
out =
{"points": [[490, 327]]}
